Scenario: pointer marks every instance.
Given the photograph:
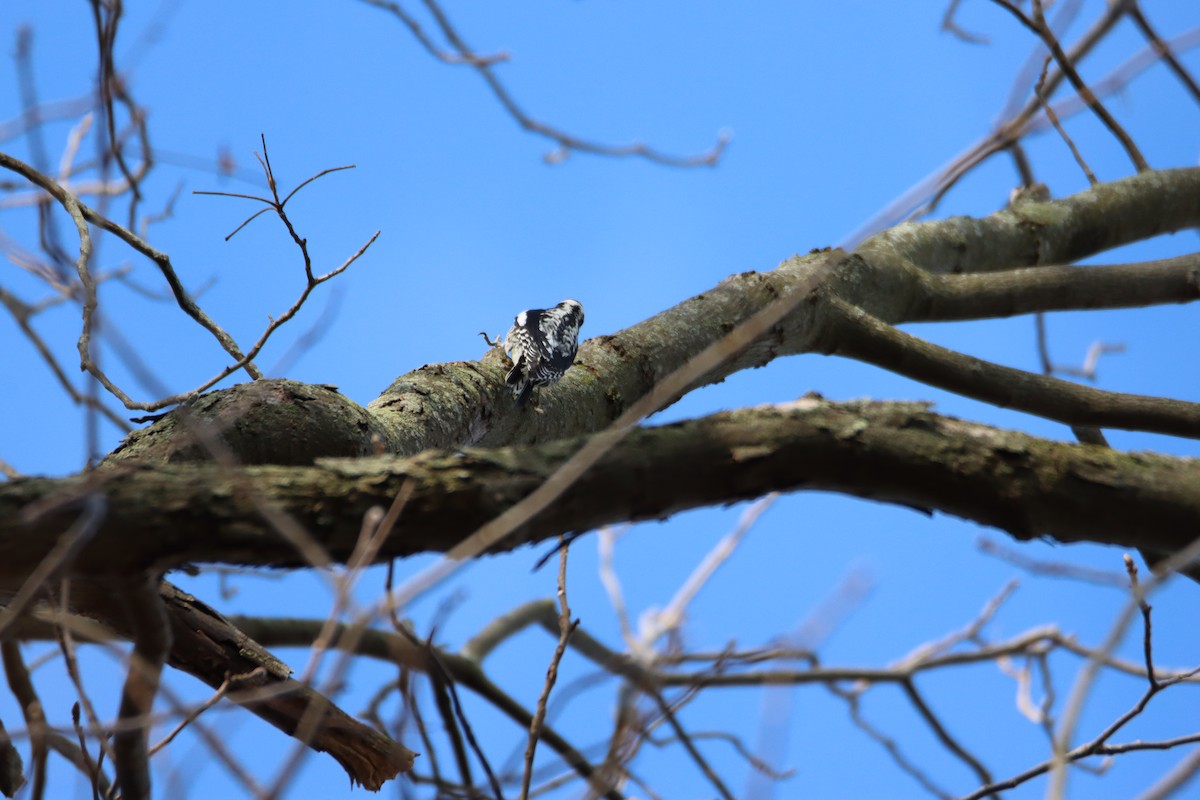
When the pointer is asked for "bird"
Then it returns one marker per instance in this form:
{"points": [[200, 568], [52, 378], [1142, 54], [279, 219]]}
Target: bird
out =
{"points": [[542, 344]]}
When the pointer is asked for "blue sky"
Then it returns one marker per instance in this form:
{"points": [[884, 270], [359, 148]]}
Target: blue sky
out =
{"points": [[833, 110]]}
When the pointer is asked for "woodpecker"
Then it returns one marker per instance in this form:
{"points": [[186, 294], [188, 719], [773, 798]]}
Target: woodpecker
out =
{"points": [[542, 343]]}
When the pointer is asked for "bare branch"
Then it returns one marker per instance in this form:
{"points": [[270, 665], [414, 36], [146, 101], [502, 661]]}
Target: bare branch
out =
{"points": [[22, 313], [1038, 25], [1015, 124], [195, 713], [1174, 780], [1069, 492], [80, 212], [566, 626], [860, 336], [951, 26], [1051, 288], [1048, 110], [566, 143], [1164, 49], [151, 644]]}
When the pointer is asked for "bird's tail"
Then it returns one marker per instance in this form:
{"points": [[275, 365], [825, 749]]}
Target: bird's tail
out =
{"points": [[521, 397], [519, 383]]}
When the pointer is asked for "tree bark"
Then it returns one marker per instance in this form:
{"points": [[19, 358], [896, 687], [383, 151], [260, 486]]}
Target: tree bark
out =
{"points": [[1015, 261], [893, 452]]}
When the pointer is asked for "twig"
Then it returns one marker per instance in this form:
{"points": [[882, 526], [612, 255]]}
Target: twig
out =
{"points": [[66, 644], [923, 196], [889, 744], [469, 733], [1164, 50], [274, 203], [1038, 25], [686, 740], [80, 213], [304, 343], [413, 707], [195, 712], [1079, 753], [1062, 754], [670, 619], [757, 764], [21, 313], [930, 650], [1055, 569], [86, 764], [441, 666], [423, 39], [106, 18], [605, 546], [376, 527], [216, 745], [1053, 117], [949, 25], [807, 636], [943, 735], [440, 684], [566, 626], [1175, 779]]}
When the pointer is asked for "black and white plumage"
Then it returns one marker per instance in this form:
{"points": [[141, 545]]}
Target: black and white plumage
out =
{"points": [[542, 343]]}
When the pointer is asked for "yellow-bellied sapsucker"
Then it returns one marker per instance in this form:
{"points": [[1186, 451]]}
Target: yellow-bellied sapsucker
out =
{"points": [[542, 343]]}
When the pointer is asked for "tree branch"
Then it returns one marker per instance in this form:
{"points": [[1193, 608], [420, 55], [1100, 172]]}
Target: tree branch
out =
{"points": [[69, 201], [1025, 291], [892, 278], [1059, 232], [856, 334], [151, 643], [207, 646], [892, 452], [461, 53]]}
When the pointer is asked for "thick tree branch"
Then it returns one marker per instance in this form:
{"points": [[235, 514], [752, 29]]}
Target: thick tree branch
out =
{"points": [[856, 334], [1025, 291], [893, 452], [463, 403], [1029, 234], [207, 646]]}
